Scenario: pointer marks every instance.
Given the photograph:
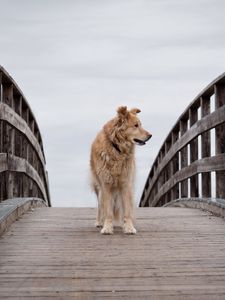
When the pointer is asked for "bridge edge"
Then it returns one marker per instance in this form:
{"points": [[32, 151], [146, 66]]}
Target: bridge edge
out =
{"points": [[12, 209], [215, 206]]}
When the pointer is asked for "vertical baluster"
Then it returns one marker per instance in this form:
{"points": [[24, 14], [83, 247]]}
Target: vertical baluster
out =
{"points": [[220, 141], [7, 93], [1, 146], [25, 116], [193, 115], [206, 148], [160, 180], [183, 160], [8, 136], [0, 86], [167, 171], [175, 166], [147, 196], [18, 135]]}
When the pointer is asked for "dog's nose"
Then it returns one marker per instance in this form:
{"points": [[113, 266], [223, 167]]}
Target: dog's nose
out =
{"points": [[148, 137]]}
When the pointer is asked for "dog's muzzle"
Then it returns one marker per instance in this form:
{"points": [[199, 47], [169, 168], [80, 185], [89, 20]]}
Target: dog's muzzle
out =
{"points": [[142, 142]]}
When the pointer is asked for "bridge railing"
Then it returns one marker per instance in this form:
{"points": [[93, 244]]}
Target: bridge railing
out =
{"points": [[192, 151], [22, 160]]}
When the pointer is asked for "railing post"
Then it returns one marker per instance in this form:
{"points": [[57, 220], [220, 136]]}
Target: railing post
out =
{"points": [[0, 86], [193, 116], [2, 176], [184, 160], [220, 141], [206, 147], [175, 167], [9, 133]]}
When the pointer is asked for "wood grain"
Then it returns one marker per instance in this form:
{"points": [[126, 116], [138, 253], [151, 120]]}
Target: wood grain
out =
{"points": [[56, 253]]}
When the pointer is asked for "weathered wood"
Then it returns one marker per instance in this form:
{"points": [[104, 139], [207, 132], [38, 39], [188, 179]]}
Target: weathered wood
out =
{"points": [[7, 114], [1, 136], [193, 152], [56, 253], [220, 141], [8, 93], [18, 104], [16, 164], [12, 209], [206, 92], [207, 164], [206, 148], [1, 86], [184, 159], [205, 124], [22, 161], [175, 165], [216, 207], [176, 157]]}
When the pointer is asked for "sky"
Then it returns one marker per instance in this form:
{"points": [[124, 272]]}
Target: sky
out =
{"points": [[76, 61]]}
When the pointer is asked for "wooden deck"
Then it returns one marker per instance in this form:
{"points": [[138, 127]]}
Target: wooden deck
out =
{"points": [[56, 253]]}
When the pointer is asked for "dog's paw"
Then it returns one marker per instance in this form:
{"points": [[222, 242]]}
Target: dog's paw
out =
{"points": [[129, 229], [107, 229]]}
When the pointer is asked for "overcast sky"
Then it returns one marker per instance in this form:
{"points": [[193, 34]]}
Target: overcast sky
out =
{"points": [[77, 60]]}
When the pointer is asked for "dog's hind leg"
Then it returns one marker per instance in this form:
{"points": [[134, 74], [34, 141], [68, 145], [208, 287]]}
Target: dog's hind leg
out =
{"points": [[100, 216]]}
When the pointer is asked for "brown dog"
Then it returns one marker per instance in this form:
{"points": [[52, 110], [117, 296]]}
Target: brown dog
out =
{"points": [[113, 166]]}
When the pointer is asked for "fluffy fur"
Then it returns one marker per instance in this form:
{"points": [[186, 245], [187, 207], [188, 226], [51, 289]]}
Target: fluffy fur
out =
{"points": [[113, 167]]}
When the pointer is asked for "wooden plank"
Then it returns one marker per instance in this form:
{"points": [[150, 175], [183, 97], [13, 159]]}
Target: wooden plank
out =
{"points": [[207, 164], [220, 141], [184, 159], [1, 136], [0, 86], [174, 166], [206, 148], [11, 163], [193, 115], [7, 114], [56, 253]]}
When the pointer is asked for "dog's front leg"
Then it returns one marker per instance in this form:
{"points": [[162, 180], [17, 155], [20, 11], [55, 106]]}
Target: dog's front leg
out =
{"points": [[128, 203], [107, 204]]}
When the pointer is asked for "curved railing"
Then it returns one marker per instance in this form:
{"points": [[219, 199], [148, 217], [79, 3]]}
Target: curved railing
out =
{"points": [[22, 160], [184, 165]]}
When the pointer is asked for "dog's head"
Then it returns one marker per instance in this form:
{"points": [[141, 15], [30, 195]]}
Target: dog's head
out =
{"points": [[131, 125]]}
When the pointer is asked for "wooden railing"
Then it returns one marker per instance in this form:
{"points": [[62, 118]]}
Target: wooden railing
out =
{"points": [[186, 166], [22, 160]]}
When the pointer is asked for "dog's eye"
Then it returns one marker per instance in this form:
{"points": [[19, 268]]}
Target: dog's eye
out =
{"points": [[136, 125]]}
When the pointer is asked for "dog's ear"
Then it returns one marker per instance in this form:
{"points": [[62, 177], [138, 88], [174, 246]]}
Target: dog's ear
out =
{"points": [[135, 111], [122, 112]]}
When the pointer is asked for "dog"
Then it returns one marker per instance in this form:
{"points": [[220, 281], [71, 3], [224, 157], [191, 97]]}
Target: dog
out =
{"points": [[112, 165]]}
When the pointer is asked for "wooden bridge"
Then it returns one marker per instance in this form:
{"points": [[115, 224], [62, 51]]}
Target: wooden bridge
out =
{"points": [[56, 253]]}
